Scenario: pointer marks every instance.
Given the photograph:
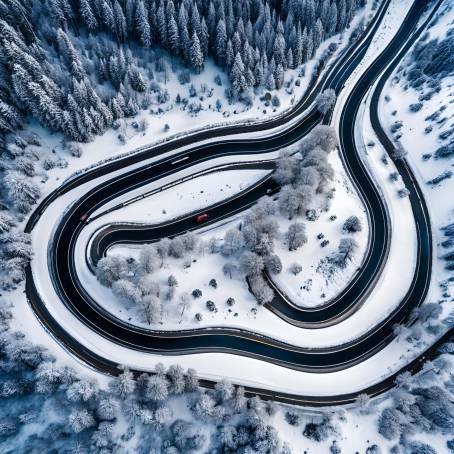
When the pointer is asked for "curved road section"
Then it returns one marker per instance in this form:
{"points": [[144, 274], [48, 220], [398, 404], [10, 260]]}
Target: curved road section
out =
{"points": [[225, 340]]}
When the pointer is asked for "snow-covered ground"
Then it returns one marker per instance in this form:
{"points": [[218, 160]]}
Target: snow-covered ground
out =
{"points": [[207, 190], [182, 197], [313, 287], [214, 365], [418, 143]]}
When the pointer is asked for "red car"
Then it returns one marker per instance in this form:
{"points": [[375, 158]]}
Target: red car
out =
{"points": [[201, 218], [84, 218]]}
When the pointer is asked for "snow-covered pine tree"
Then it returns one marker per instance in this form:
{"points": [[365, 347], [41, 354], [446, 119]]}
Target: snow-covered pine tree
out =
{"points": [[120, 22], [173, 36], [221, 42], [237, 74], [195, 54], [161, 23], [141, 24], [87, 15]]}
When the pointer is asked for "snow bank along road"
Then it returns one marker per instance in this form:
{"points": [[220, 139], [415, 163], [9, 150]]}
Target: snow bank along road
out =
{"points": [[224, 340]]}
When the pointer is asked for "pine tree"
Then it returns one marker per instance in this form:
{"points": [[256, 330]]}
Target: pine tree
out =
{"points": [[332, 19], [173, 36], [196, 25], [162, 25], [298, 48], [152, 20], [195, 54], [279, 48], [170, 10], [10, 119], [56, 13], [304, 44], [229, 19], [204, 38], [130, 9], [237, 74], [324, 13], [258, 73], [69, 54], [229, 55], [211, 20], [142, 25], [21, 79], [270, 83], [249, 77], [120, 22], [87, 15], [184, 42], [279, 76], [289, 58], [117, 111], [80, 93], [310, 46], [341, 16], [108, 16], [236, 43], [220, 43], [318, 34]]}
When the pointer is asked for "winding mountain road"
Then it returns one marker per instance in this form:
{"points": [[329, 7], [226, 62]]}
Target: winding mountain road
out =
{"points": [[79, 302]]}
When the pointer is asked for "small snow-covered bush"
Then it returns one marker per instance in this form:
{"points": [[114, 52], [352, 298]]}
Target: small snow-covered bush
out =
{"points": [[402, 193], [321, 431], [352, 225], [275, 101], [218, 80], [445, 151], [326, 100], [438, 179], [184, 77], [415, 107], [296, 268], [213, 283], [292, 417]]}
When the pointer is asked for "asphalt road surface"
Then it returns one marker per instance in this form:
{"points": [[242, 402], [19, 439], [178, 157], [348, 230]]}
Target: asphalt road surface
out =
{"points": [[235, 341]]}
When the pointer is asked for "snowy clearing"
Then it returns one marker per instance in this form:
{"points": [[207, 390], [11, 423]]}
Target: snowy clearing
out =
{"points": [[418, 143]]}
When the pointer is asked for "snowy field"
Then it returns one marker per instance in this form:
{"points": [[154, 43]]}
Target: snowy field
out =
{"points": [[313, 286], [183, 198], [394, 107]]}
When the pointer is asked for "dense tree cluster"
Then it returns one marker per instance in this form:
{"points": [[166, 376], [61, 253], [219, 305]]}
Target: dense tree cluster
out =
{"points": [[417, 410], [57, 69], [259, 231], [326, 100], [47, 407], [306, 174], [15, 253], [132, 280], [428, 63]]}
